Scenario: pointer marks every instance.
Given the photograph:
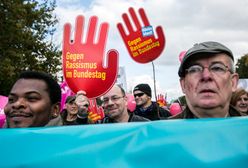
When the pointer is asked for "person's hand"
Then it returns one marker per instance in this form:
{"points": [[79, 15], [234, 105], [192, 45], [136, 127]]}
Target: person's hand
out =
{"points": [[134, 39], [88, 57], [81, 99]]}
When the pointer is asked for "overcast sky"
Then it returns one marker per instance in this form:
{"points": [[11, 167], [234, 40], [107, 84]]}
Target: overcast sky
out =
{"points": [[185, 22]]}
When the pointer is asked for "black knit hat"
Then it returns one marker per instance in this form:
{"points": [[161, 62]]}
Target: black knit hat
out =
{"points": [[205, 47], [144, 88]]}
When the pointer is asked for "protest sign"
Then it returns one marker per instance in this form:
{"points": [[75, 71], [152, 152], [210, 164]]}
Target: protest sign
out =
{"points": [[84, 67], [140, 41]]}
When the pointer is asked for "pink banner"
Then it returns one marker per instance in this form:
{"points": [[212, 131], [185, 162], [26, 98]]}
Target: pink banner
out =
{"points": [[3, 102]]}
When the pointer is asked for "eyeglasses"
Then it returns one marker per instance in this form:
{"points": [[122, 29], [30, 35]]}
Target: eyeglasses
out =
{"points": [[216, 68], [138, 94], [113, 99]]}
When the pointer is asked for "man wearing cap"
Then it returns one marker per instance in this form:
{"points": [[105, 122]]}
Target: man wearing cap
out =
{"points": [[145, 107], [208, 79]]}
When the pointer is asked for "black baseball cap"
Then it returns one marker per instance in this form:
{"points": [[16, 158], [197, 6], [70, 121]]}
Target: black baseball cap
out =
{"points": [[69, 99], [210, 47]]}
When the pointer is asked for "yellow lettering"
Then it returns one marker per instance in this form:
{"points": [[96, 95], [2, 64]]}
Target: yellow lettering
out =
{"points": [[89, 75], [74, 57], [134, 42]]}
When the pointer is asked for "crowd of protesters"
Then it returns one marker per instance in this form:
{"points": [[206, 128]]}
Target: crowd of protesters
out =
{"points": [[207, 78]]}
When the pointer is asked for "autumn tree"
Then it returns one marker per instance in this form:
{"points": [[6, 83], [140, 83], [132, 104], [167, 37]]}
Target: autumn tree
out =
{"points": [[242, 66], [26, 30]]}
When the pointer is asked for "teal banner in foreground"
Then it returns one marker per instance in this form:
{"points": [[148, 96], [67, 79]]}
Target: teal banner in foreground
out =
{"points": [[201, 143]]}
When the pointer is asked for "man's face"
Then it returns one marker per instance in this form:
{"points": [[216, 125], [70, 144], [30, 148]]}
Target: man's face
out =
{"points": [[114, 103], [72, 108], [141, 98], [208, 90], [242, 103], [83, 109], [29, 104]]}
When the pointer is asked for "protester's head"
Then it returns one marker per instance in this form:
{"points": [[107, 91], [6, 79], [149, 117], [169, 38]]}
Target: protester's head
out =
{"points": [[142, 94], [33, 100], [207, 78], [115, 103], [71, 105], [83, 103], [240, 100]]}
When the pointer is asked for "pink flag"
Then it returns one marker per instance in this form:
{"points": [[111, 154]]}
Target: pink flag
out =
{"points": [[65, 91], [3, 102]]}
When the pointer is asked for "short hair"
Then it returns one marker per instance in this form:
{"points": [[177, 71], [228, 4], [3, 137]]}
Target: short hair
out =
{"points": [[237, 94], [122, 90], [53, 87]]}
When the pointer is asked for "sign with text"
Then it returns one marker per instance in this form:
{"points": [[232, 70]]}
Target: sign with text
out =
{"points": [[84, 67], [147, 31], [141, 43]]}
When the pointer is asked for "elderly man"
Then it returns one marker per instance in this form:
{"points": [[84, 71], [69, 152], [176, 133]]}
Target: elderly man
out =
{"points": [[115, 107], [208, 79], [34, 101]]}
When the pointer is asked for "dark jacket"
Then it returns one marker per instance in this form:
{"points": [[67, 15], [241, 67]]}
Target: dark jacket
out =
{"points": [[187, 114], [132, 118], [77, 121], [152, 112]]}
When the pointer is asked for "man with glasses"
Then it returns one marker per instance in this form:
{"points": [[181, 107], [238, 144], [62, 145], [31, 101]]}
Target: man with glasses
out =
{"points": [[145, 107], [208, 79], [115, 107]]}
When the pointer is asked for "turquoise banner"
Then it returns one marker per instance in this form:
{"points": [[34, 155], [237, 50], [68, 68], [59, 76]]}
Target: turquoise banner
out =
{"points": [[201, 143]]}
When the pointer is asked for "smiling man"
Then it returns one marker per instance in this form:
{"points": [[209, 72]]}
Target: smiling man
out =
{"points": [[34, 101], [115, 107], [208, 79], [145, 107]]}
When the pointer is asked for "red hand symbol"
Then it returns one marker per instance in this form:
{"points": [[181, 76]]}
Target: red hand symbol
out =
{"points": [[83, 63], [95, 113], [161, 100], [142, 49]]}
